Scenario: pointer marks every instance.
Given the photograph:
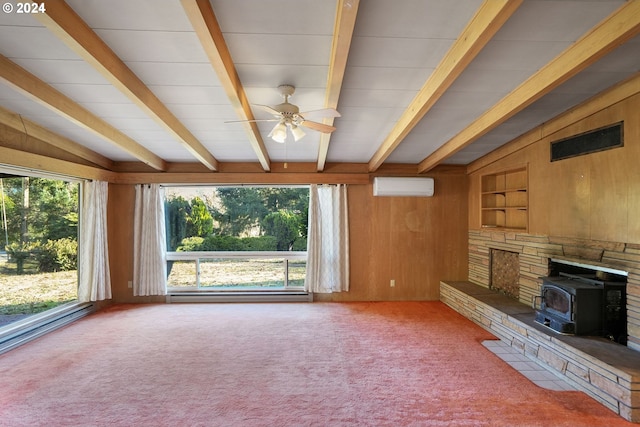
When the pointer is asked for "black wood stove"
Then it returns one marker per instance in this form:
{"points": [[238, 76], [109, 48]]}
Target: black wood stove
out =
{"points": [[582, 304]]}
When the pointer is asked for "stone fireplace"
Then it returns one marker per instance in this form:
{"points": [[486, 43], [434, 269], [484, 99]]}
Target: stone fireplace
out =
{"points": [[534, 253], [607, 371]]}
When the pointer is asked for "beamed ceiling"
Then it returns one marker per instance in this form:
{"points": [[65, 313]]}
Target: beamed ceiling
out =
{"points": [[152, 83]]}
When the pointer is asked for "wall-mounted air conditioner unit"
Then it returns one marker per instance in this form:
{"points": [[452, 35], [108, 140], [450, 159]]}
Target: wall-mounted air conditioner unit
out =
{"points": [[403, 186]]}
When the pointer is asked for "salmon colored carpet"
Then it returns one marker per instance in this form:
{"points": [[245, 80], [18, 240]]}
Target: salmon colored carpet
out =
{"points": [[320, 364]]}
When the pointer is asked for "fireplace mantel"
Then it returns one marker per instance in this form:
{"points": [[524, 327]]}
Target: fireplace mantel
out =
{"points": [[607, 371]]}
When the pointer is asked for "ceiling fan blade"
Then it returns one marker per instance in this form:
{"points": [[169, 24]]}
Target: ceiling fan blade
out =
{"points": [[325, 112], [320, 127], [248, 121], [268, 109]]}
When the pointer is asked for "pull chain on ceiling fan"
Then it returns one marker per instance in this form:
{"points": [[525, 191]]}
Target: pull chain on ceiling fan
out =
{"points": [[290, 118]]}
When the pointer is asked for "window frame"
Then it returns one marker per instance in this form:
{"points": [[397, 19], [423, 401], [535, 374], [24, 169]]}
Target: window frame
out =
{"points": [[35, 325]]}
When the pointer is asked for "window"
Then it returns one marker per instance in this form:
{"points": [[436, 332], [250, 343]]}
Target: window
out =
{"points": [[39, 247], [236, 238]]}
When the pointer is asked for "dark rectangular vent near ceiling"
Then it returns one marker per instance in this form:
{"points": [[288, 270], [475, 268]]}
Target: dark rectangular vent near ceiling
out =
{"points": [[588, 142]]}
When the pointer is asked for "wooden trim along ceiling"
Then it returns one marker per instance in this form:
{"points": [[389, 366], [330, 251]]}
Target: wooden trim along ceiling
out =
{"points": [[345, 22], [64, 23], [619, 27], [41, 92], [206, 26], [489, 18]]}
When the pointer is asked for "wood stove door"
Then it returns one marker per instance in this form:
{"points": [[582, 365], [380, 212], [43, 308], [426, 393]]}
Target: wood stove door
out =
{"points": [[557, 301]]}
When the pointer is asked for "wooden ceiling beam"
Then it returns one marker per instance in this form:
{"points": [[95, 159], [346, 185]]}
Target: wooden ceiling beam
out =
{"points": [[48, 164], [345, 22], [205, 24], [488, 19], [34, 88], [63, 22], [19, 123], [616, 29]]}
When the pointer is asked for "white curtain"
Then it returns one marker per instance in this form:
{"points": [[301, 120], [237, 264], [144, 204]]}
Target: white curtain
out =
{"points": [[328, 240], [149, 253], [95, 278]]}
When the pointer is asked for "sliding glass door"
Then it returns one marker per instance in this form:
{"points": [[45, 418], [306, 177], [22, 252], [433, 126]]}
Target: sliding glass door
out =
{"points": [[39, 244]]}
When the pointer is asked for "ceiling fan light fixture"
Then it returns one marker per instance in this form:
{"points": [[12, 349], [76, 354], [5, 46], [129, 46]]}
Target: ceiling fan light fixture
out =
{"points": [[279, 133], [289, 116], [297, 133]]}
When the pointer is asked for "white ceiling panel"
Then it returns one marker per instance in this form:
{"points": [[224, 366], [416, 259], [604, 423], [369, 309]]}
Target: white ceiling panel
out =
{"points": [[191, 95], [127, 124], [395, 48], [376, 98], [15, 19], [32, 43], [275, 16], [67, 71], [516, 55], [387, 78], [138, 15], [555, 20], [154, 46], [402, 53], [355, 138], [372, 114], [206, 112], [175, 73], [114, 110], [418, 19], [279, 49], [304, 150], [487, 82], [272, 76], [92, 94]]}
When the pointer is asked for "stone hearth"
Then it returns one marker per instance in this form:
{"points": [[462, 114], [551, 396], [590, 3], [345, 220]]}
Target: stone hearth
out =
{"points": [[608, 372]]}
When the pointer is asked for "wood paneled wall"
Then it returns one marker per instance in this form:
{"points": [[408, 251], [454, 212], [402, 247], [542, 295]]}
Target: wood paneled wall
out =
{"points": [[120, 229], [415, 241], [595, 196]]}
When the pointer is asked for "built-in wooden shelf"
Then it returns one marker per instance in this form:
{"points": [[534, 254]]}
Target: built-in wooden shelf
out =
{"points": [[504, 200]]}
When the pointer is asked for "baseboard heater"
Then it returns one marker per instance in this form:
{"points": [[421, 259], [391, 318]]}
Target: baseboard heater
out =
{"points": [[237, 296], [23, 331]]}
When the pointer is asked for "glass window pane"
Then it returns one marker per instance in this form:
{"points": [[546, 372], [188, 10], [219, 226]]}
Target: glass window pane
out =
{"points": [[241, 273], [181, 274], [39, 246], [253, 219], [297, 272], [236, 219]]}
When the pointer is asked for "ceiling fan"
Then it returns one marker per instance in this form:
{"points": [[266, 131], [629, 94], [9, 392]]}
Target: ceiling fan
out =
{"points": [[289, 117]]}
